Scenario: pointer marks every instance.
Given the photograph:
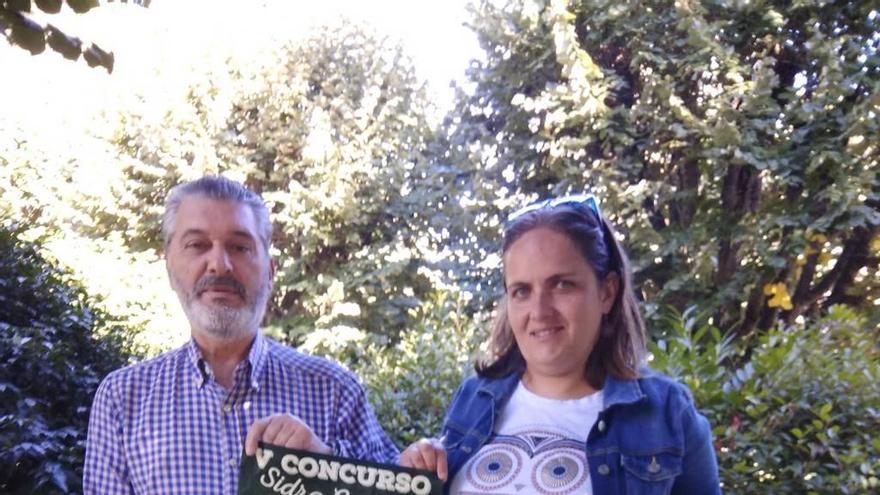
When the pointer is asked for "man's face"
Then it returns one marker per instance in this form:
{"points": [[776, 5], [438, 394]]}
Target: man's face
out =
{"points": [[218, 267]]}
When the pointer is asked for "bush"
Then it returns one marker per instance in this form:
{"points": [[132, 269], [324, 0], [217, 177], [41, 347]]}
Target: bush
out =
{"points": [[410, 383], [51, 362], [799, 415]]}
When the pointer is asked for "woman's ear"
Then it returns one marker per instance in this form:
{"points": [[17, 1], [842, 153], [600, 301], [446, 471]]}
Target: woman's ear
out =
{"points": [[608, 291]]}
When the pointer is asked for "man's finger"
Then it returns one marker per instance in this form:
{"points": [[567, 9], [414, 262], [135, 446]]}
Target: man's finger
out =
{"points": [[301, 438], [255, 433], [272, 428], [287, 429]]}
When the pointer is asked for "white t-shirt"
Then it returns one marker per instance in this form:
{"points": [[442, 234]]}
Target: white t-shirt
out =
{"points": [[538, 448]]}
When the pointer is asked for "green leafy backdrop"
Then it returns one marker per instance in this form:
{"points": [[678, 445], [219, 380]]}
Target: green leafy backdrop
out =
{"points": [[734, 144]]}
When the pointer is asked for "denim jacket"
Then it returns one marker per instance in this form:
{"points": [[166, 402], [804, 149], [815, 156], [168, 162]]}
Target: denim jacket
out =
{"points": [[648, 439]]}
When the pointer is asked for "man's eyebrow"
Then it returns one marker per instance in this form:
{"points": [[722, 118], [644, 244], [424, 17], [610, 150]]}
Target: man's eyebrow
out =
{"points": [[243, 233], [189, 232], [236, 233]]}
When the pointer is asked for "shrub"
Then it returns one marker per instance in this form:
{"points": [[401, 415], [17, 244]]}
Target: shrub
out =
{"points": [[51, 362], [410, 383], [799, 415]]}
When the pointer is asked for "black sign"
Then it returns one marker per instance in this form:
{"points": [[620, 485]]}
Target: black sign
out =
{"points": [[277, 470]]}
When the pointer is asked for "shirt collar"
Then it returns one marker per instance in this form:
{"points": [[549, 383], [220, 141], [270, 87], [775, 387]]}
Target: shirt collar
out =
{"points": [[615, 391], [255, 360]]}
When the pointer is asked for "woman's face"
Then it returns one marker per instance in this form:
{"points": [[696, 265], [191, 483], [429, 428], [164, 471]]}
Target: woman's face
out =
{"points": [[555, 303]]}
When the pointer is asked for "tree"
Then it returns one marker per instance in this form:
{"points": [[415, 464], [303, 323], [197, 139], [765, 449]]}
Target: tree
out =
{"points": [[734, 144], [22, 30], [332, 137]]}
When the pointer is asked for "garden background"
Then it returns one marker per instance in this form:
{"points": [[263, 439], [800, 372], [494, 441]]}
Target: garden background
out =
{"points": [[734, 143]]}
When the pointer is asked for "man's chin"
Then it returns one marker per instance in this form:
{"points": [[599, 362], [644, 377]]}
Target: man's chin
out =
{"points": [[223, 333], [221, 300], [219, 320]]}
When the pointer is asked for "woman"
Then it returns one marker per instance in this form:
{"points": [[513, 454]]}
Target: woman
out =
{"points": [[562, 404]]}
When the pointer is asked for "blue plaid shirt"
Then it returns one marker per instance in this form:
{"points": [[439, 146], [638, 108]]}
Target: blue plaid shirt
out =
{"points": [[164, 426]]}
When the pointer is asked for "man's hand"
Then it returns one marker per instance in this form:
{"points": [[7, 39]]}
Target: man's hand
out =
{"points": [[427, 454], [285, 430]]}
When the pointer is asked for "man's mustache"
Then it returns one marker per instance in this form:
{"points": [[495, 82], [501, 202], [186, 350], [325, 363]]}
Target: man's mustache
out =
{"points": [[209, 281]]}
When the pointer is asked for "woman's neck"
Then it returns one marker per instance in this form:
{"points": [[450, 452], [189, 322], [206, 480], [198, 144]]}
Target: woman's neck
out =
{"points": [[558, 387]]}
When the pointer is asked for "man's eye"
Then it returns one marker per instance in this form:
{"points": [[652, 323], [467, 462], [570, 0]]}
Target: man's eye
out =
{"points": [[195, 245], [564, 284], [241, 248]]}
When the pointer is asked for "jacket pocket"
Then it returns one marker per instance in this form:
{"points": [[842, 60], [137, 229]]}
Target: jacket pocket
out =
{"points": [[460, 446], [650, 474]]}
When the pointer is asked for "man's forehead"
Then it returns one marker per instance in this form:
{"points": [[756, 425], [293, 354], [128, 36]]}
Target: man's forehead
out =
{"points": [[198, 213]]}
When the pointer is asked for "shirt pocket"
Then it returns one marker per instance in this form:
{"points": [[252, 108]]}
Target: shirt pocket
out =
{"points": [[652, 474]]}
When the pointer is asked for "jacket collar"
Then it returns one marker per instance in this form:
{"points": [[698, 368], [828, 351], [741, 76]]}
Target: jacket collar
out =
{"points": [[621, 392], [616, 391]]}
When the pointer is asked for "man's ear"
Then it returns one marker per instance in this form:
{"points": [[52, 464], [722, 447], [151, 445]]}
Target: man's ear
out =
{"points": [[164, 254], [608, 291], [273, 268]]}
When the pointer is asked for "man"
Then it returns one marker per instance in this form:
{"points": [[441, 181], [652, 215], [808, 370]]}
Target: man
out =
{"points": [[177, 423]]}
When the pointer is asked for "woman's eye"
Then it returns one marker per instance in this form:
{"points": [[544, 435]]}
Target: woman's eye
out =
{"points": [[519, 293], [564, 284]]}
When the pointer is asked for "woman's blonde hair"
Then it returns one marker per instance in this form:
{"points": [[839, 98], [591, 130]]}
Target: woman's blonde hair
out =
{"points": [[620, 350]]}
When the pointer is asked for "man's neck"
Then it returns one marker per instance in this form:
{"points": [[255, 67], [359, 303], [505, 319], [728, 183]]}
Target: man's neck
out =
{"points": [[223, 354]]}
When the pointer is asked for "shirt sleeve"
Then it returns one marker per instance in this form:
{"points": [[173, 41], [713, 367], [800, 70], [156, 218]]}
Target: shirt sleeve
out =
{"points": [[359, 434], [105, 471]]}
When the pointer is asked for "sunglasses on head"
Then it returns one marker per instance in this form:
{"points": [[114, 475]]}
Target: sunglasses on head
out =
{"points": [[574, 199]]}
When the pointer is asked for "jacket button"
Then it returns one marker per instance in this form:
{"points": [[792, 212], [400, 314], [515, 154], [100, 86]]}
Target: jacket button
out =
{"points": [[466, 449], [602, 426], [604, 470]]}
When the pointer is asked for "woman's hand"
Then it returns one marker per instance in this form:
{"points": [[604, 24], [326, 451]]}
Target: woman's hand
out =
{"points": [[427, 454]]}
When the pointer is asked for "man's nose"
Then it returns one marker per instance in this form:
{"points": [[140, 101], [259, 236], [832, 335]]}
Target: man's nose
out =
{"points": [[218, 261]]}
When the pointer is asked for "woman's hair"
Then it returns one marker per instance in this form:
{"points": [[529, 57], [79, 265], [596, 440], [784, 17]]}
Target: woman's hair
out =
{"points": [[620, 349]]}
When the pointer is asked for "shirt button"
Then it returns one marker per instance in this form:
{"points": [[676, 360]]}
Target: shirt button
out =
{"points": [[604, 470], [227, 408], [232, 461], [602, 425]]}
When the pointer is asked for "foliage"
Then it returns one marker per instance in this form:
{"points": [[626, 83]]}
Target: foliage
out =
{"points": [[411, 381], [23, 30], [800, 416], [331, 134], [58, 197], [733, 143], [51, 361]]}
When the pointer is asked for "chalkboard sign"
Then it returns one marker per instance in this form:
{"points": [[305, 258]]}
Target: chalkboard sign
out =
{"points": [[278, 470]]}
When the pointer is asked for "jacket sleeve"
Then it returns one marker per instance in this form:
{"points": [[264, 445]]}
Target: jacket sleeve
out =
{"points": [[699, 465]]}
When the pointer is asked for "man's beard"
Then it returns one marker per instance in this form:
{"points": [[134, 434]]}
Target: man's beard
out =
{"points": [[217, 319]]}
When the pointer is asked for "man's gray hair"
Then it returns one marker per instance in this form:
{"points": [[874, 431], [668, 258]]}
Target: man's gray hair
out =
{"points": [[222, 189]]}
